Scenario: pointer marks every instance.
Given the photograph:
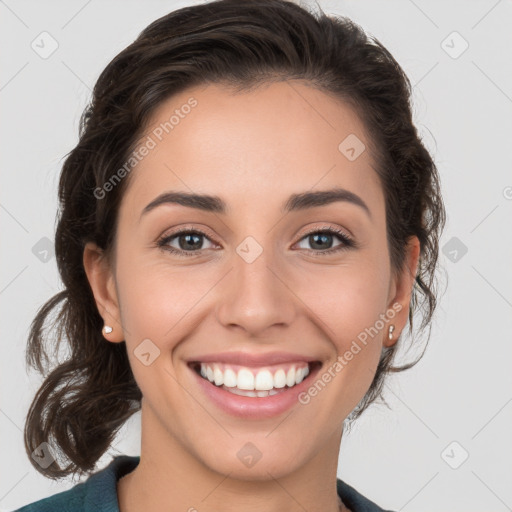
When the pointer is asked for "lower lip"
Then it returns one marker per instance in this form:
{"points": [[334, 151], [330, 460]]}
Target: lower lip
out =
{"points": [[254, 407]]}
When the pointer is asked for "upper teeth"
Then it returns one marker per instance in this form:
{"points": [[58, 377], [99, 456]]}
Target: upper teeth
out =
{"points": [[250, 379]]}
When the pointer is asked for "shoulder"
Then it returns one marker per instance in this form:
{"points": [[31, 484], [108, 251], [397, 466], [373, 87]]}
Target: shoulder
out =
{"points": [[354, 500], [97, 493]]}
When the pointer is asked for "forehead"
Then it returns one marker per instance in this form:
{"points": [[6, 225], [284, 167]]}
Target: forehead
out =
{"points": [[257, 146]]}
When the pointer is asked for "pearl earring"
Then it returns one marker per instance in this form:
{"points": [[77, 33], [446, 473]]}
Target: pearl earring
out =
{"points": [[391, 329], [107, 329]]}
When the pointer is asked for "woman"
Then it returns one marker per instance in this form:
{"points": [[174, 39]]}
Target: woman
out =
{"points": [[247, 225]]}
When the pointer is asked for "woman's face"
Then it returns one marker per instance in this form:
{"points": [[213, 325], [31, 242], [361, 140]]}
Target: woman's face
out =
{"points": [[261, 280]]}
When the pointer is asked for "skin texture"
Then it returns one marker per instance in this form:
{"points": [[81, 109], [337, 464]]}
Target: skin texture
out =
{"points": [[253, 150]]}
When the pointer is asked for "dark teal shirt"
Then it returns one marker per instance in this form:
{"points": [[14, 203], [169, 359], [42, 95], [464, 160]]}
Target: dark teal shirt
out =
{"points": [[99, 493]]}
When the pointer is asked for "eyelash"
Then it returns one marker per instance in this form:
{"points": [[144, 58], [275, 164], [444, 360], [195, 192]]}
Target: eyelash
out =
{"points": [[348, 243]]}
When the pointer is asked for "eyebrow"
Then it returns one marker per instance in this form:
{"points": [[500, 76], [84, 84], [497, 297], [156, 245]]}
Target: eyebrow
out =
{"points": [[296, 202]]}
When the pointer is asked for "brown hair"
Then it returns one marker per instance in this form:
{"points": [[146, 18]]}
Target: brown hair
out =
{"points": [[85, 399]]}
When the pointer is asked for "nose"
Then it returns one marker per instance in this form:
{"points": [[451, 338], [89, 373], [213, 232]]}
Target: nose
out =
{"points": [[255, 296]]}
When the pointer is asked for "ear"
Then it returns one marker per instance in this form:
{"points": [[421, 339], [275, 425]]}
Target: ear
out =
{"points": [[401, 290], [101, 280]]}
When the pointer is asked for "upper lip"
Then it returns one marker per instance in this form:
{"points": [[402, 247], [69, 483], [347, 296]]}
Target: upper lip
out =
{"points": [[248, 359]]}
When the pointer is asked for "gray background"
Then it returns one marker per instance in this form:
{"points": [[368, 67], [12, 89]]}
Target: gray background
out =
{"points": [[460, 392]]}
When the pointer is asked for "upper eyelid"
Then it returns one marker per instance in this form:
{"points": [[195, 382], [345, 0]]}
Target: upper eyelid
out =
{"points": [[332, 229], [203, 232], [199, 231]]}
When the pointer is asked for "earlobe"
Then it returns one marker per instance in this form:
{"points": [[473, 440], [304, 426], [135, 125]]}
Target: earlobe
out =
{"points": [[101, 281], [405, 281]]}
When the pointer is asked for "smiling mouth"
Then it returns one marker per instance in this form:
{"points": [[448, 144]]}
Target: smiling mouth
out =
{"points": [[255, 382]]}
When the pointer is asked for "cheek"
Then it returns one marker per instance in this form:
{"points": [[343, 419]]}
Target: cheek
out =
{"points": [[346, 303], [347, 299], [155, 298]]}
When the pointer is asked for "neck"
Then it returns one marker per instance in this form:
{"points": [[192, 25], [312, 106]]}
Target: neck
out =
{"points": [[171, 477]]}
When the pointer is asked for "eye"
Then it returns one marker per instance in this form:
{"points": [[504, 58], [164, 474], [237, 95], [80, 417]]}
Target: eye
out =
{"points": [[319, 238], [189, 242]]}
